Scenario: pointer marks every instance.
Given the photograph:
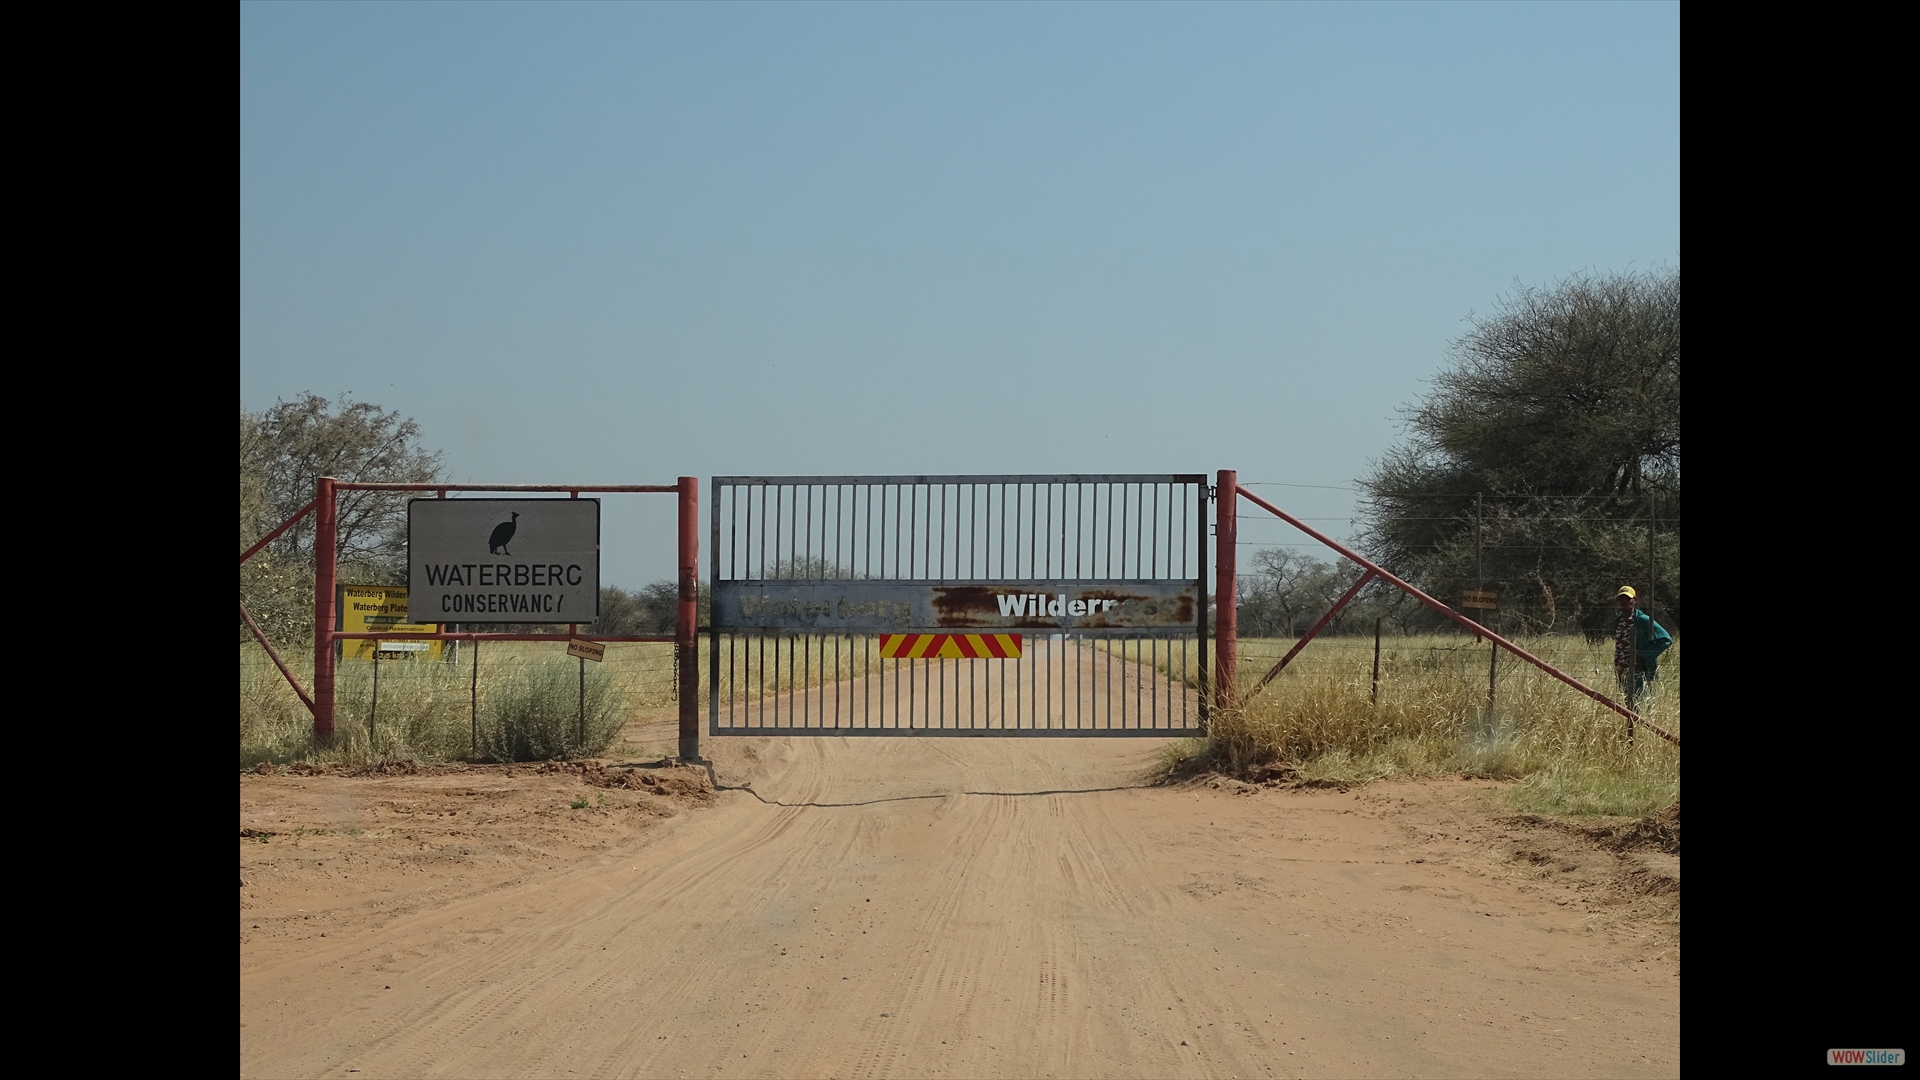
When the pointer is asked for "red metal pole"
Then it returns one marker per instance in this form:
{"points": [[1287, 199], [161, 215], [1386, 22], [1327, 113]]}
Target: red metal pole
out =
{"points": [[573, 631], [1345, 599], [1226, 617], [275, 657], [325, 525], [687, 620], [269, 538], [1448, 612]]}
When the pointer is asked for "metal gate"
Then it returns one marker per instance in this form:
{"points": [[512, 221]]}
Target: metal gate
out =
{"points": [[1061, 605]]}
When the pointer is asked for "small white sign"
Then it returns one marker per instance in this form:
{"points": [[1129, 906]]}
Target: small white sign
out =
{"points": [[405, 646]]}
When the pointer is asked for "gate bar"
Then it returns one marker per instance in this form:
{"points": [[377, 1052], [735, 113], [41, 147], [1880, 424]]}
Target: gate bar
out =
{"points": [[463, 635], [959, 478], [248, 619], [687, 617], [326, 524], [284, 526], [1361, 560], [1226, 617], [277, 662], [927, 531], [1345, 599], [664, 489]]}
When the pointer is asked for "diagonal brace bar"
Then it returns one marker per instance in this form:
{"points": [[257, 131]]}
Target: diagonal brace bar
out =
{"points": [[284, 526], [1345, 599], [277, 662], [1361, 560]]}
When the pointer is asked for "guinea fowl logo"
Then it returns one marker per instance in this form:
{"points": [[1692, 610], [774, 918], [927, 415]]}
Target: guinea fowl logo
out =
{"points": [[502, 534]]}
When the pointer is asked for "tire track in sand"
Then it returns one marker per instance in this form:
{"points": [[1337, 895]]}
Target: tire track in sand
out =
{"points": [[1057, 934]]}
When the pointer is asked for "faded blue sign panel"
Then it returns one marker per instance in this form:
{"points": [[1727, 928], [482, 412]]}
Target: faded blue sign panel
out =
{"points": [[849, 606]]}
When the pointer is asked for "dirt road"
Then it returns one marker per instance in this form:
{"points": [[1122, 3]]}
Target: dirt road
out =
{"points": [[969, 908]]}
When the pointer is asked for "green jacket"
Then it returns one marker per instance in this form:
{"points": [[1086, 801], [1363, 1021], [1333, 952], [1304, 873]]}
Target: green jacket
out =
{"points": [[1650, 639]]}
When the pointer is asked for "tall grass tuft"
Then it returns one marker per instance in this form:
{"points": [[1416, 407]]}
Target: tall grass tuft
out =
{"points": [[529, 707], [535, 711]]}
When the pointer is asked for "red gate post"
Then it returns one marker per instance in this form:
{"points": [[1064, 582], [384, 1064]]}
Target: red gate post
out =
{"points": [[687, 620], [325, 525], [1226, 616]]}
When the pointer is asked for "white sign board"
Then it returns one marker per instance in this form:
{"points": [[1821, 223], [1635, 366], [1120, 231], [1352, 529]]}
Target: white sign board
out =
{"points": [[405, 646], [503, 560]]}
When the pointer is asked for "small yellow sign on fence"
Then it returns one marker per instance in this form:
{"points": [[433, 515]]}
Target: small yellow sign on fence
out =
{"points": [[587, 650], [380, 609], [1484, 599]]}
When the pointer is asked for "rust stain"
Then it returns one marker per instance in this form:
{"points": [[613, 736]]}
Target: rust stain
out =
{"points": [[1146, 610], [965, 605]]}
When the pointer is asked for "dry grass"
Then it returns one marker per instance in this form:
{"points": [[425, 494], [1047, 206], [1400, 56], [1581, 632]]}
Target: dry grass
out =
{"points": [[1432, 717], [752, 667], [528, 698], [529, 705]]}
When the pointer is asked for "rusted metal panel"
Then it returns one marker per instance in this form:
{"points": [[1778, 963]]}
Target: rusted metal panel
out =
{"points": [[853, 607]]}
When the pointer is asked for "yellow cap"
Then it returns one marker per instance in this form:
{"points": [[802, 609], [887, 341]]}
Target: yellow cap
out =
{"points": [[1627, 591]]}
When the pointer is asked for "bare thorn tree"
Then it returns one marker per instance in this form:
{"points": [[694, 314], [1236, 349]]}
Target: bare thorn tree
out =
{"points": [[283, 450]]}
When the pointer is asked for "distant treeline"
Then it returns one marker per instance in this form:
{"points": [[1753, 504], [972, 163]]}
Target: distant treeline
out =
{"points": [[650, 609], [1285, 593]]}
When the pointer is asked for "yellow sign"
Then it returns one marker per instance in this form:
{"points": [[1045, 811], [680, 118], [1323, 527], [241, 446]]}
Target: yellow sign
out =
{"points": [[587, 650], [382, 609]]}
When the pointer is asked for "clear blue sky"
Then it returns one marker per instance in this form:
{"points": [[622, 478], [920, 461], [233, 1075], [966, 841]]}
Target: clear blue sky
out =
{"points": [[618, 243]]}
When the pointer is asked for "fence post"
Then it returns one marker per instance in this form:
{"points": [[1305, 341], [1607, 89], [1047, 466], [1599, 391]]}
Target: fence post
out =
{"points": [[1226, 586], [1653, 523], [325, 524], [687, 620], [1493, 668], [475, 701], [1375, 698], [374, 709]]}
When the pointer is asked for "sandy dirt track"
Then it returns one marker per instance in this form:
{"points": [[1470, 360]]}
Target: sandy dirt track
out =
{"points": [[914, 907]]}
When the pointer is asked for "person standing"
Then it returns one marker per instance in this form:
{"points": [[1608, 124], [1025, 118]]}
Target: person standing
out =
{"points": [[1638, 642]]}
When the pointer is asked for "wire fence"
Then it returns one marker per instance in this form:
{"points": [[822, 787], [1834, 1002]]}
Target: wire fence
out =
{"points": [[1401, 664], [463, 705], [479, 701]]}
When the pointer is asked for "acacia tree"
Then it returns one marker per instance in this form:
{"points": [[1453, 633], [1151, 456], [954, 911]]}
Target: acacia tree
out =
{"points": [[1543, 454], [1286, 592], [283, 450]]}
